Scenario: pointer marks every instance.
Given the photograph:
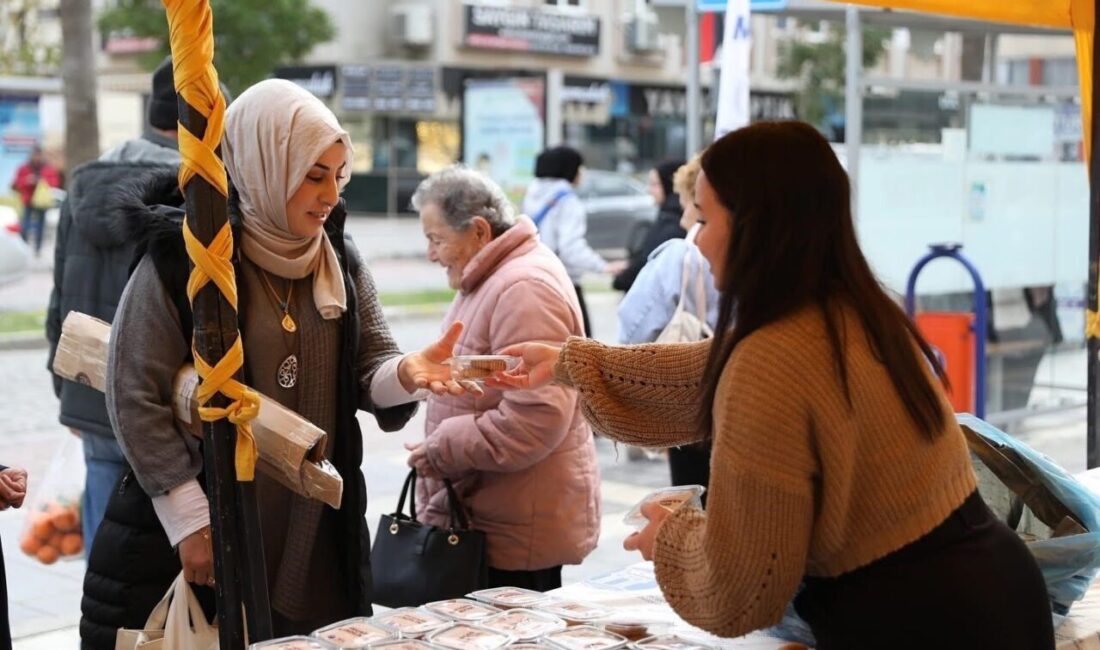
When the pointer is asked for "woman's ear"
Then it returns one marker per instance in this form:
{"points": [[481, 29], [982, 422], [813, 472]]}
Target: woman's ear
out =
{"points": [[482, 230]]}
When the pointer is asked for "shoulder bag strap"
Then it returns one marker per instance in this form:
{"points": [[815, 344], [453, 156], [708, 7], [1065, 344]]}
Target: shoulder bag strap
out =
{"points": [[561, 194]]}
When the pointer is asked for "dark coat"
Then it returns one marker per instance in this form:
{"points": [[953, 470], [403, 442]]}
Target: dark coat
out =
{"points": [[131, 564], [666, 227]]}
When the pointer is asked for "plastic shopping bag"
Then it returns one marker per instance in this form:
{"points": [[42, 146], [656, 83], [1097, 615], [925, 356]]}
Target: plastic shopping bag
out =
{"points": [[176, 623], [1057, 516], [52, 527], [42, 198]]}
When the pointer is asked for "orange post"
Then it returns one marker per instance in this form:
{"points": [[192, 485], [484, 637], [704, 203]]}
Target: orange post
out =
{"points": [[952, 335]]}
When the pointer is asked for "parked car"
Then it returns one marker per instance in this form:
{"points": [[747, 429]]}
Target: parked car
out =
{"points": [[15, 255], [620, 211]]}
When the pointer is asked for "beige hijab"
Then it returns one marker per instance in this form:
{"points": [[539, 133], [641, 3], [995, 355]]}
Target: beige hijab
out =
{"points": [[274, 133]]}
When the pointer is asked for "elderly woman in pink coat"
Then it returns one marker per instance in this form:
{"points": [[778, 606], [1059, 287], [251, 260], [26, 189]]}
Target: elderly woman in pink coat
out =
{"points": [[523, 463]]}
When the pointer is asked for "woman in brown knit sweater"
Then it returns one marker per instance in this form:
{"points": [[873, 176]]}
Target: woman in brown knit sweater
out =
{"points": [[839, 476]]}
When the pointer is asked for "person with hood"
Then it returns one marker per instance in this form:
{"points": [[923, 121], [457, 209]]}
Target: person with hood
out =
{"points": [[316, 341], [667, 226], [524, 465], [92, 259], [558, 214]]}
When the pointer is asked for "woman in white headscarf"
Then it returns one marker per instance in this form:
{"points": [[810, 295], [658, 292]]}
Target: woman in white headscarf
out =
{"points": [[315, 340]]}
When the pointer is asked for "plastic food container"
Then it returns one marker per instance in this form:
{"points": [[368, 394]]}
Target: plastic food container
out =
{"points": [[405, 644], [410, 622], [670, 499], [586, 637], [524, 624], [531, 645], [670, 642], [479, 367], [353, 633], [461, 609], [633, 630], [292, 643], [463, 636], [509, 597], [573, 611]]}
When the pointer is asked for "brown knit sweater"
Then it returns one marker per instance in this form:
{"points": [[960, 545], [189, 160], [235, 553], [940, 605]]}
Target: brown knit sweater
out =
{"points": [[801, 483]]}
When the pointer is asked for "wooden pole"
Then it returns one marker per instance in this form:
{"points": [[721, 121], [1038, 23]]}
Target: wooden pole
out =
{"points": [[1094, 255], [240, 576]]}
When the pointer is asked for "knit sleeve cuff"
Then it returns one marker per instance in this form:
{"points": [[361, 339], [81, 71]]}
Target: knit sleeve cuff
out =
{"points": [[562, 374]]}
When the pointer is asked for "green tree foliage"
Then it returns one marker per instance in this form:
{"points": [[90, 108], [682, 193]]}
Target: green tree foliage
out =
{"points": [[24, 49], [251, 37], [821, 67]]}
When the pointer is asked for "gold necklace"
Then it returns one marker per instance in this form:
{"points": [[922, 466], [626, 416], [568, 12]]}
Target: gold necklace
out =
{"points": [[288, 322], [287, 374]]}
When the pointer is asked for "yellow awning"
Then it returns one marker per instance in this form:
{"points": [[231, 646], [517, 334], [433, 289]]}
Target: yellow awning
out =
{"points": [[1077, 15]]}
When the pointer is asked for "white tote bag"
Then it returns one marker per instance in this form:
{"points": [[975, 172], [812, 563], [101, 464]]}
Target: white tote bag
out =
{"points": [[176, 623], [684, 326]]}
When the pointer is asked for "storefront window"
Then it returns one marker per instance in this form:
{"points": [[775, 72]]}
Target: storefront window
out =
{"points": [[437, 145]]}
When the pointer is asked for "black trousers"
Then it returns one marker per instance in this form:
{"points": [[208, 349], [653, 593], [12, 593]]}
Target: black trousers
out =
{"points": [[690, 465], [969, 583], [541, 580], [584, 311]]}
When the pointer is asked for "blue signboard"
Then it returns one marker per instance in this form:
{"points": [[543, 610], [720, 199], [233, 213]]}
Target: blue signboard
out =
{"points": [[757, 5]]}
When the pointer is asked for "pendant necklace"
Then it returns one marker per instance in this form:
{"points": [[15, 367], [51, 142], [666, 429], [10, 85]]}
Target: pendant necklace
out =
{"points": [[287, 375]]}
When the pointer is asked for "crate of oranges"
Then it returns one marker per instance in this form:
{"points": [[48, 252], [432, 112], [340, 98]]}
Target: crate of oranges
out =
{"points": [[53, 532]]}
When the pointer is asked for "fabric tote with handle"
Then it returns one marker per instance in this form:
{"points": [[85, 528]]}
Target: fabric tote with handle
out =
{"points": [[176, 623], [684, 326], [415, 563]]}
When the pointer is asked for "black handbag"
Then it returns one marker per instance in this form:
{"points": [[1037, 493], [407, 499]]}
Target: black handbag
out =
{"points": [[415, 563]]}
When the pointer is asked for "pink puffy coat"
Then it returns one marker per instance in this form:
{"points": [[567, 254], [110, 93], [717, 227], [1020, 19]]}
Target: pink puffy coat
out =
{"points": [[523, 462]]}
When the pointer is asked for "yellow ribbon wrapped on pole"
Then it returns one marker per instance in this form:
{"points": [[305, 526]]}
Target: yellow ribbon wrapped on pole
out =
{"points": [[191, 33]]}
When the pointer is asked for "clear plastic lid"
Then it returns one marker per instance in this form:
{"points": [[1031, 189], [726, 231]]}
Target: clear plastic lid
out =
{"points": [[670, 642], [586, 637], [524, 624], [479, 367], [509, 597], [353, 633], [574, 610], [670, 498], [461, 609], [405, 644], [292, 643], [410, 622], [463, 636]]}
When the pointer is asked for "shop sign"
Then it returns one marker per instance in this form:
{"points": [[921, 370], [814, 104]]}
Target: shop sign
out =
{"points": [[317, 79], [388, 88], [531, 30]]}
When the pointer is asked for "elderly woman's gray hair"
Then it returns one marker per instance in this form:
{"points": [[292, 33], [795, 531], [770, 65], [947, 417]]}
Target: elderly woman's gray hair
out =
{"points": [[461, 194]]}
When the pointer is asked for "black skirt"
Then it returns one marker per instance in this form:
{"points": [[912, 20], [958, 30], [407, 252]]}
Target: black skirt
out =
{"points": [[970, 583]]}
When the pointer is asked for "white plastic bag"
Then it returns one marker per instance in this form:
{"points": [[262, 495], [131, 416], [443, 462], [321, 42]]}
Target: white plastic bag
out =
{"points": [[176, 623], [52, 527]]}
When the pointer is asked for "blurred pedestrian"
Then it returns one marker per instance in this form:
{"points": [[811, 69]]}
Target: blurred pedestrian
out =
{"points": [[33, 182], [670, 211], [13, 489], [92, 259], [524, 464], [558, 214]]}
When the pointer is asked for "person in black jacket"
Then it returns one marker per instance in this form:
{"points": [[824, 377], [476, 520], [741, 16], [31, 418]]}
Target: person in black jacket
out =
{"points": [[92, 258], [13, 489], [666, 227]]}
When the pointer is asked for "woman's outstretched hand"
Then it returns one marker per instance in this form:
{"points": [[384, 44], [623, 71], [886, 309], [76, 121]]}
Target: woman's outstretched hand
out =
{"points": [[429, 369], [536, 368]]}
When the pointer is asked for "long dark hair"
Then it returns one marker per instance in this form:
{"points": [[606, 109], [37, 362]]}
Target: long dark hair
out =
{"points": [[793, 244]]}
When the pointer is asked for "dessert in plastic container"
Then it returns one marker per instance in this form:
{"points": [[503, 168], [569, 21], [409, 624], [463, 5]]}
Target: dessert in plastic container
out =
{"points": [[479, 367], [524, 624], [670, 642], [530, 645], [461, 609], [509, 597], [405, 644], [353, 633], [633, 630], [292, 643], [586, 637], [670, 498], [410, 622], [463, 636], [574, 611]]}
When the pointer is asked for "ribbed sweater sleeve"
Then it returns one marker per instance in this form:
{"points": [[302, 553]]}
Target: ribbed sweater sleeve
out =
{"points": [[644, 395], [734, 569]]}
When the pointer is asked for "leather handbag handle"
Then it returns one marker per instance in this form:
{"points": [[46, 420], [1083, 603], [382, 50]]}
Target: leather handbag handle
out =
{"points": [[458, 513], [408, 490]]}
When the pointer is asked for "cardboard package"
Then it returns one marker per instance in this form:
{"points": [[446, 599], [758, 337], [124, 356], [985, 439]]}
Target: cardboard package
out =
{"points": [[291, 449]]}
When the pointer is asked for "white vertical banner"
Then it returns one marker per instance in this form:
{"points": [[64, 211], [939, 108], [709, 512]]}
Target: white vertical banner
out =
{"points": [[733, 84]]}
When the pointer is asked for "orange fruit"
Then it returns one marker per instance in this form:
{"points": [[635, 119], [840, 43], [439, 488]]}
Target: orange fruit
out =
{"points": [[64, 520], [72, 544], [43, 528], [29, 544], [48, 555]]}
